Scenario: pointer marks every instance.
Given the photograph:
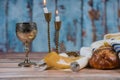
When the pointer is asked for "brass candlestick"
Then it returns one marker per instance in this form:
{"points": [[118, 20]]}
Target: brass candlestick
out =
{"points": [[48, 18], [57, 29]]}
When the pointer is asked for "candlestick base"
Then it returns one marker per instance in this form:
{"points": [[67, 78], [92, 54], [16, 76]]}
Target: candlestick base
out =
{"points": [[27, 63]]}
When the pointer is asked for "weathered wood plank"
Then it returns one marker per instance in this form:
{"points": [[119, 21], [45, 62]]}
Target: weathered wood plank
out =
{"points": [[87, 25], [118, 14], [105, 16], [63, 75], [81, 17], [70, 33], [93, 17], [17, 69], [3, 24], [18, 60], [8, 65], [112, 10], [75, 30], [25, 72], [21, 55], [38, 78], [99, 7], [10, 71]]}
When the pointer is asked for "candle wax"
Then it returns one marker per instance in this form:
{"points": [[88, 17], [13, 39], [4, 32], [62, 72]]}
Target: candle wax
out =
{"points": [[57, 18], [45, 10]]}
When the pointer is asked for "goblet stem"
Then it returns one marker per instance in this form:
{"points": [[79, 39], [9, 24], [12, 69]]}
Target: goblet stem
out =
{"points": [[27, 49], [27, 62]]}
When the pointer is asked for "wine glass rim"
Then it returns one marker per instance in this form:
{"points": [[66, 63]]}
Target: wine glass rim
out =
{"points": [[26, 23]]}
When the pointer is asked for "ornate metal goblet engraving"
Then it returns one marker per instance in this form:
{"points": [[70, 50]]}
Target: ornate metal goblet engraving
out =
{"points": [[26, 32]]}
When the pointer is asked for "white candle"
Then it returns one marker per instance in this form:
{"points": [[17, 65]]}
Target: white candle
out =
{"points": [[45, 8], [57, 18]]}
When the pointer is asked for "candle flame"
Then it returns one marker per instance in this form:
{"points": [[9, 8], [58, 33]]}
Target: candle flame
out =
{"points": [[44, 2], [56, 12]]}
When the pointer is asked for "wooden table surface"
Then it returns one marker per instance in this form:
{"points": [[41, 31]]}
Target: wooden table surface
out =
{"points": [[9, 70]]}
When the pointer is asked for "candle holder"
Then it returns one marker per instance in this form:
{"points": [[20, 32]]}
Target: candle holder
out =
{"points": [[48, 18], [57, 29]]}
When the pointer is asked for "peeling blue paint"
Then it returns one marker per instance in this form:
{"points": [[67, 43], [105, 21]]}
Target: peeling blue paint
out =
{"points": [[70, 13]]}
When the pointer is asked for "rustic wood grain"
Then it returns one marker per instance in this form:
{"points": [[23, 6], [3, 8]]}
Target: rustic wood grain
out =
{"points": [[21, 55], [9, 70]]}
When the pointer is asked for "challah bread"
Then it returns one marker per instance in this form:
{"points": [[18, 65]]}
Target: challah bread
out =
{"points": [[104, 58]]}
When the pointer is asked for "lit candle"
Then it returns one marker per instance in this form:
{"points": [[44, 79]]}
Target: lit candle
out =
{"points": [[57, 18], [45, 8]]}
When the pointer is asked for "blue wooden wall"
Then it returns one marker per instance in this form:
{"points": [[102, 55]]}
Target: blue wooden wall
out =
{"points": [[83, 21]]}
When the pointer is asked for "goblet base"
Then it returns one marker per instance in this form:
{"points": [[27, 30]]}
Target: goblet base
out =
{"points": [[27, 63]]}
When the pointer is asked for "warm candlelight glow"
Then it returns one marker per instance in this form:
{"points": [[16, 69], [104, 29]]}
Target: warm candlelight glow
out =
{"points": [[56, 12], [44, 2], [57, 18], [45, 8]]}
